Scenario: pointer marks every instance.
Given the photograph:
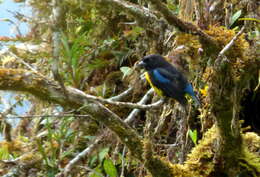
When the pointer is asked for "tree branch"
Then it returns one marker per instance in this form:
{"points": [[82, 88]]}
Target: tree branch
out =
{"points": [[133, 114], [58, 18], [88, 150], [122, 95], [142, 15], [229, 45], [27, 81], [123, 104], [183, 26]]}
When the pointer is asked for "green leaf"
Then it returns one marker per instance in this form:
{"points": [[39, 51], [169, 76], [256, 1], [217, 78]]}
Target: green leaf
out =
{"points": [[96, 173], [235, 17], [193, 135], [102, 154], [93, 160], [110, 168], [249, 19], [64, 41], [126, 71]]}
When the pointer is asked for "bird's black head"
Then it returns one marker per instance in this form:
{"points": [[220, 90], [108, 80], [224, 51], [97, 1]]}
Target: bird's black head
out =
{"points": [[154, 61]]}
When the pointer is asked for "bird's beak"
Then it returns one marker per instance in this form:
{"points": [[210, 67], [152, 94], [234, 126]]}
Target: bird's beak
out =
{"points": [[141, 64]]}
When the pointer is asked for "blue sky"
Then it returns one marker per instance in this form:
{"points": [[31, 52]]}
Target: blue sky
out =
{"points": [[6, 28]]}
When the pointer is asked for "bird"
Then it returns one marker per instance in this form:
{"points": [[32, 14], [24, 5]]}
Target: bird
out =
{"points": [[166, 80]]}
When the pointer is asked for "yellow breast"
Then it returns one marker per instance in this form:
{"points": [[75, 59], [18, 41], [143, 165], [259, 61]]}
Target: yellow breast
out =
{"points": [[158, 91]]}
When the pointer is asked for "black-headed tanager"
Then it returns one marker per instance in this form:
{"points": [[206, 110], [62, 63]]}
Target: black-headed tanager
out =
{"points": [[166, 79]]}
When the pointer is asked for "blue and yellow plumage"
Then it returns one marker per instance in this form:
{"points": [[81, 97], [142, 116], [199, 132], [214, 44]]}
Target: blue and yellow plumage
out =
{"points": [[166, 79], [158, 91]]}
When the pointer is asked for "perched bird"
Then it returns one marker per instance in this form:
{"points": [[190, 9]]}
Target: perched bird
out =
{"points": [[166, 79]]}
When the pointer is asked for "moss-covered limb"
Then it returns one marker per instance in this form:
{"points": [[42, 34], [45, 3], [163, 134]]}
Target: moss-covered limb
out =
{"points": [[22, 80], [183, 26], [26, 81], [143, 15], [154, 27], [225, 95], [229, 146], [158, 168]]}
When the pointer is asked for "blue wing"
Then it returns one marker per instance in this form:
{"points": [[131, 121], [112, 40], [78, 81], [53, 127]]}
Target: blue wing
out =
{"points": [[159, 77], [173, 85], [169, 83], [189, 90]]}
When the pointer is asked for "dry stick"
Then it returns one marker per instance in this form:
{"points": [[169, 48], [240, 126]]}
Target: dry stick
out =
{"points": [[230, 44], [26, 64], [123, 162], [134, 113], [117, 103], [81, 155], [49, 115], [121, 95]]}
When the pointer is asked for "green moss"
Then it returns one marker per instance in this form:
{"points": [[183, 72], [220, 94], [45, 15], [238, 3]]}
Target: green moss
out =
{"points": [[252, 141], [200, 160], [249, 163]]}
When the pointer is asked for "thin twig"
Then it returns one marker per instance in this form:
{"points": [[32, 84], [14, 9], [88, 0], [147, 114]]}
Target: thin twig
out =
{"points": [[81, 155], [229, 45], [123, 162], [49, 115], [26, 64], [117, 103], [121, 95], [134, 113]]}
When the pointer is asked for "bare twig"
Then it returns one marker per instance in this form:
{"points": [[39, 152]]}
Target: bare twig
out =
{"points": [[134, 113], [26, 81], [49, 115], [123, 162], [230, 44], [122, 95], [117, 103], [26, 64], [81, 155]]}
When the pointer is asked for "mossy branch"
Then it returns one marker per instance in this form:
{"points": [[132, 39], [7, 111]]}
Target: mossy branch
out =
{"points": [[27, 81], [142, 15], [223, 93], [182, 25]]}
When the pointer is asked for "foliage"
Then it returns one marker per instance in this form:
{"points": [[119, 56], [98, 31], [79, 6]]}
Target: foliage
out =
{"points": [[99, 46]]}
